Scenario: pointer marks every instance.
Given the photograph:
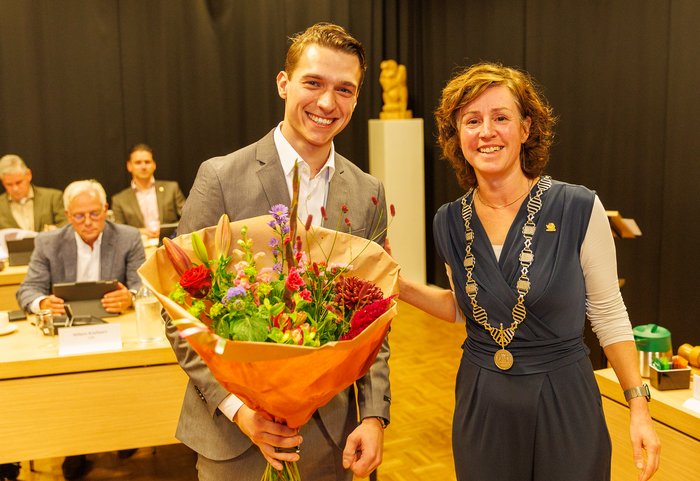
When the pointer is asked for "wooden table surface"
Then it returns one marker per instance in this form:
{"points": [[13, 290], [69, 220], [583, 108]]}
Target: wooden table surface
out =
{"points": [[678, 429], [12, 275], [10, 279], [28, 353], [666, 406], [78, 404]]}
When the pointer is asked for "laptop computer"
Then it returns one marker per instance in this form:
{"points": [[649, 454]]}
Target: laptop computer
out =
{"points": [[19, 251], [84, 297]]}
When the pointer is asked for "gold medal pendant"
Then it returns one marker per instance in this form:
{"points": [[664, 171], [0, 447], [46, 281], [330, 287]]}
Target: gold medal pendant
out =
{"points": [[503, 359]]}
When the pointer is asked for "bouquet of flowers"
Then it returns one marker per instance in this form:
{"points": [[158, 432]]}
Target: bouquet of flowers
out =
{"points": [[309, 303], [317, 303]]}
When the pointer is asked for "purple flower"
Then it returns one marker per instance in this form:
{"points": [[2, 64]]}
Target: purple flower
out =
{"points": [[277, 267], [274, 246], [280, 213], [233, 292]]}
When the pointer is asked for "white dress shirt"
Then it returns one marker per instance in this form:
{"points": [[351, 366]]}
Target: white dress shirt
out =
{"points": [[88, 268], [23, 210], [148, 203], [313, 192]]}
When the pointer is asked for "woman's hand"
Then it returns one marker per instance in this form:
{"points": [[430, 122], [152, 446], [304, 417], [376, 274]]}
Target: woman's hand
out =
{"points": [[644, 439]]}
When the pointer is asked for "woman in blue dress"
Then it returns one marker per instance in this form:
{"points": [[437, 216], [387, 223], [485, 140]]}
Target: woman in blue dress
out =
{"points": [[529, 259]]}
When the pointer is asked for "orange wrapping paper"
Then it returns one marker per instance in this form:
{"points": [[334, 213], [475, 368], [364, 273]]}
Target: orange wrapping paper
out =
{"points": [[287, 382]]}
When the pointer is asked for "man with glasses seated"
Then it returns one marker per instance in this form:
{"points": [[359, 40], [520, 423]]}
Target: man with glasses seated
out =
{"points": [[89, 248]]}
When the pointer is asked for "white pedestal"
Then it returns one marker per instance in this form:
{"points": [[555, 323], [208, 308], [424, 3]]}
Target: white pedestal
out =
{"points": [[396, 158]]}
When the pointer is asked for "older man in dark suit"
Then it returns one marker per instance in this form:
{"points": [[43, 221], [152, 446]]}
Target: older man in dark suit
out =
{"points": [[148, 202], [88, 249], [323, 73], [24, 205]]}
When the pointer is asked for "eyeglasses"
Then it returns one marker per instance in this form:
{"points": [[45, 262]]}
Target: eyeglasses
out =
{"points": [[94, 215]]}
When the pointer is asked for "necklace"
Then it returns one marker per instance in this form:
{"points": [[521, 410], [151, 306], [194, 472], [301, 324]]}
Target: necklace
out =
{"points": [[503, 336], [481, 199]]}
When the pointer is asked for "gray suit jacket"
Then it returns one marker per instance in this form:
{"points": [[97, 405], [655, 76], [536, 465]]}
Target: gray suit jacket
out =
{"points": [[245, 184], [48, 209], [170, 201], [55, 259]]}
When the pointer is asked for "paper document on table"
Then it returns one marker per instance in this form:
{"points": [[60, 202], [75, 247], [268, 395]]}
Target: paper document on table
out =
{"points": [[90, 338], [693, 404]]}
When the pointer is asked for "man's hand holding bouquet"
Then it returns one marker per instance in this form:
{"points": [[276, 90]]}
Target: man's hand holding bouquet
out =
{"points": [[284, 320]]}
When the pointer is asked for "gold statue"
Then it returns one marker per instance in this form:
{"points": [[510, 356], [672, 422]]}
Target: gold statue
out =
{"points": [[395, 93]]}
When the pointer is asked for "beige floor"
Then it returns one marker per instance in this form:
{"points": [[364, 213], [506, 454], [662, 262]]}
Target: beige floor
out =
{"points": [[424, 359]]}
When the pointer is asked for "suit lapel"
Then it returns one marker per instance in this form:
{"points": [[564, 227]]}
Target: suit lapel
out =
{"points": [[6, 212], [107, 249], [69, 255], [270, 172], [160, 200], [133, 205], [338, 194], [39, 209]]}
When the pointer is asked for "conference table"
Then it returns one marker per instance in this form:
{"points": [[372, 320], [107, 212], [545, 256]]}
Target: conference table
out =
{"points": [[53, 405], [10, 279]]}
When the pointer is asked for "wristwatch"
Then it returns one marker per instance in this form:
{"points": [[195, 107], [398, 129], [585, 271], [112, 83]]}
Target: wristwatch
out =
{"points": [[638, 391]]}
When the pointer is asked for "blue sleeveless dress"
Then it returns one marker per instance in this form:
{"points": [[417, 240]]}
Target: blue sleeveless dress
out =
{"points": [[542, 420]]}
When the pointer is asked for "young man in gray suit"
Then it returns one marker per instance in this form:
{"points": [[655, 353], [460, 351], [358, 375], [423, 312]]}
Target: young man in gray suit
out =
{"points": [[24, 205], [320, 84], [148, 202]]}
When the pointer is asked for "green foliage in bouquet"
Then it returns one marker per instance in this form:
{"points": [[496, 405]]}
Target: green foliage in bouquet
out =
{"points": [[296, 301]]}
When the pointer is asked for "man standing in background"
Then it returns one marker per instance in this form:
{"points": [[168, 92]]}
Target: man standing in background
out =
{"points": [[148, 203], [26, 206]]}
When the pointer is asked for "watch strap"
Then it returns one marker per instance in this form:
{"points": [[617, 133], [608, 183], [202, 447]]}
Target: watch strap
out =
{"points": [[638, 391]]}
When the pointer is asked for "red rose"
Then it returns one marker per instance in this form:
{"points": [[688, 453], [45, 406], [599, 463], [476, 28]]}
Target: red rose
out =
{"points": [[196, 281]]}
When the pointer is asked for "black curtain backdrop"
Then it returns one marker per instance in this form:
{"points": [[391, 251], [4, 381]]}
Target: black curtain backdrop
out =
{"points": [[81, 81]]}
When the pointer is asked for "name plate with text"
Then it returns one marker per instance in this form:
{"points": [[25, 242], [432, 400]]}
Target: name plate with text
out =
{"points": [[91, 338]]}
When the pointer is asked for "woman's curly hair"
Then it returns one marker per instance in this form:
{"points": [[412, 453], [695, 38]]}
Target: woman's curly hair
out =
{"points": [[465, 87]]}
